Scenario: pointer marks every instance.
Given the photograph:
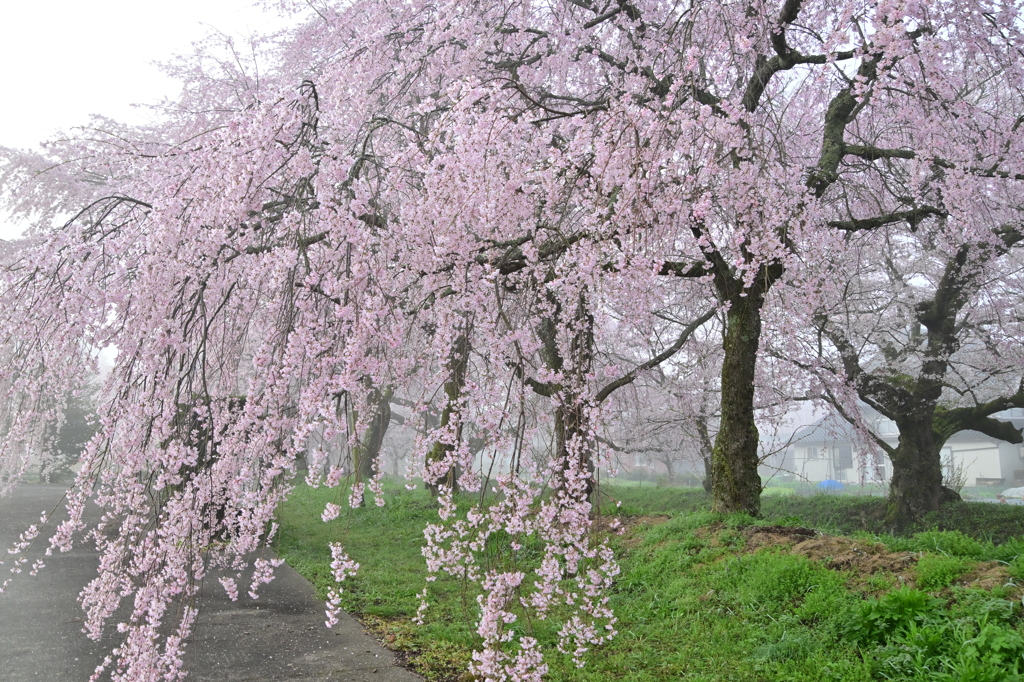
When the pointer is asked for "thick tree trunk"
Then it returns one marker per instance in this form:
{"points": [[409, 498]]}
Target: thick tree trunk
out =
{"points": [[736, 485], [916, 486]]}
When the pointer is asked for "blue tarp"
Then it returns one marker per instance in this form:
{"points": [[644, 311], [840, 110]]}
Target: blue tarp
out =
{"points": [[831, 485]]}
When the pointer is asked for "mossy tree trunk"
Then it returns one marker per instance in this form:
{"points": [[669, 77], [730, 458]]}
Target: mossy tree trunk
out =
{"points": [[574, 446], [916, 485], [736, 484]]}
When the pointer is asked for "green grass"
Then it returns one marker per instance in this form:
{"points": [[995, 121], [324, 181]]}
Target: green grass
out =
{"points": [[935, 572], [840, 513], [386, 542], [777, 491], [643, 501], [694, 604]]}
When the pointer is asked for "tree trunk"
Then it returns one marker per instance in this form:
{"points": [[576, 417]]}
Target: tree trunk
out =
{"points": [[916, 486], [707, 447], [457, 364], [574, 447], [708, 481], [368, 457], [736, 485], [366, 453]]}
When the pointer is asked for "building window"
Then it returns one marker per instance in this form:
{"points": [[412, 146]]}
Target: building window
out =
{"points": [[948, 465], [844, 457], [887, 427], [812, 453]]}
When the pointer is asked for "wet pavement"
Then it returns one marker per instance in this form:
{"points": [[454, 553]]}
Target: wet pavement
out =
{"points": [[279, 637]]}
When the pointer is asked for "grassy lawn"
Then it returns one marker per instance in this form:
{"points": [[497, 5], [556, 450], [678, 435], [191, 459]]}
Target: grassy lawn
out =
{"points": [[704, 597]]}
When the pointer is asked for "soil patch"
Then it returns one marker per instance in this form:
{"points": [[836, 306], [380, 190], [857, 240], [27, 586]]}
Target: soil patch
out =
{"points": [[776, 536], [627, 527], [443, 664], [987, 575], [844, 554], [838, 553], [708, 531]]}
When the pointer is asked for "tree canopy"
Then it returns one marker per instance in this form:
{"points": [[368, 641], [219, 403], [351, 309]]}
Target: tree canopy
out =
{"points": [[507, 204]]}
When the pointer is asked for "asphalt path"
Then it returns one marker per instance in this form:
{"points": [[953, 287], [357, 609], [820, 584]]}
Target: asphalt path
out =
{"points": [[279, 637]]}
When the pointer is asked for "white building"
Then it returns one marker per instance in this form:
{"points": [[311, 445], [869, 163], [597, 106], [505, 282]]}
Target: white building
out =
{"points": [[830, 449]]}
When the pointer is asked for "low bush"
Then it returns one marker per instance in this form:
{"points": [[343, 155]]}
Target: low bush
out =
{"points": [[997, 523]]}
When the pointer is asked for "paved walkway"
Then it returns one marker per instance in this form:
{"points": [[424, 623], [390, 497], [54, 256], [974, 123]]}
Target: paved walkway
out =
{"points": [[280, 637]]}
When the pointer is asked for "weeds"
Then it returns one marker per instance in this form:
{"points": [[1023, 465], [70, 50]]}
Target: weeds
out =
{"points": [[875, 621]]}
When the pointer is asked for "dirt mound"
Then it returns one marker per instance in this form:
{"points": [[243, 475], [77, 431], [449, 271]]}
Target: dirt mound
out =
{"points": [[626, 527], [837, 553], [775, 536], [987, 575], [863, 557]]}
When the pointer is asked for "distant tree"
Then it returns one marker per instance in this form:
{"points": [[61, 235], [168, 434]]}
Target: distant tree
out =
{"points": [[925, 332], [68, 440]]}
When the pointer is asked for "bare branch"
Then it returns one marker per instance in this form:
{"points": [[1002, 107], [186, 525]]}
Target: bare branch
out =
{"points": [[630, 376]]}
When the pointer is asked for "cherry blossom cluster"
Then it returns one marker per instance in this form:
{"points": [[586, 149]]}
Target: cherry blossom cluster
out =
{"points": [[341, 567]]}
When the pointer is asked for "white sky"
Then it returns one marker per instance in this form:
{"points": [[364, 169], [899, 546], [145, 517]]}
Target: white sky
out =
{"points": [[63, 60]]}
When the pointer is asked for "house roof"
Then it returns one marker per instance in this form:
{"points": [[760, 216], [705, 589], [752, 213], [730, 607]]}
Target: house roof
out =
{"points": [[831, 428], [834, 429]]}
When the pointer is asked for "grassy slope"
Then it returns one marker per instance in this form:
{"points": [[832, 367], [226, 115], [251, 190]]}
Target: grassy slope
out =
{"points": [[692, 603], [835, 513]]}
